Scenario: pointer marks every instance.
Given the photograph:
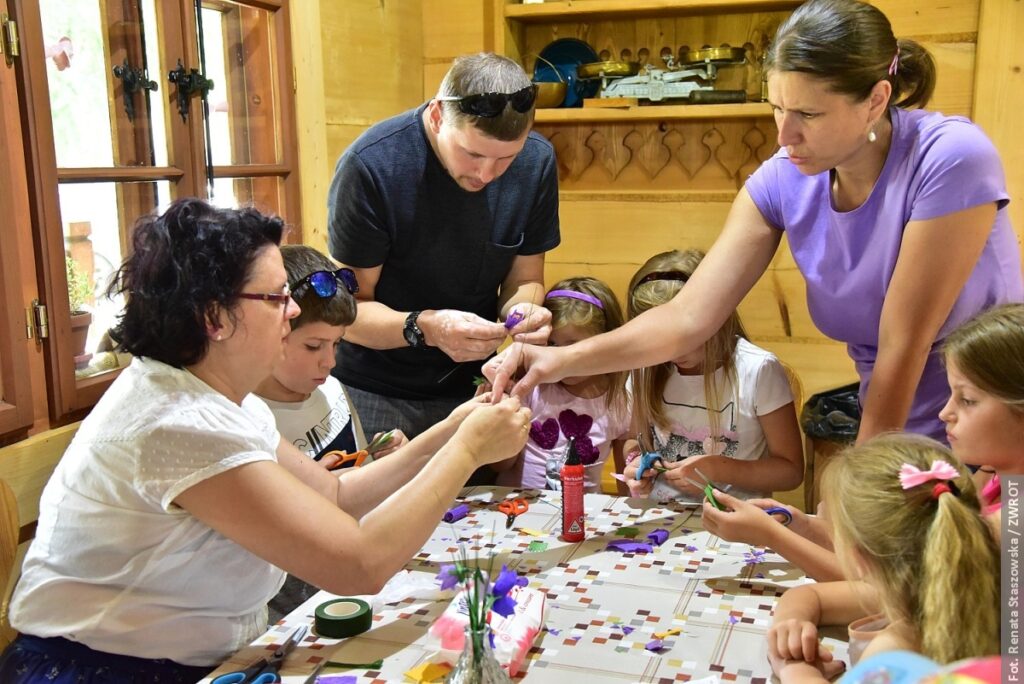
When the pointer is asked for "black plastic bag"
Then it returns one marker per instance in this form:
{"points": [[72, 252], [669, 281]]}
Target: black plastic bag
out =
{"points": [[833, 415]]}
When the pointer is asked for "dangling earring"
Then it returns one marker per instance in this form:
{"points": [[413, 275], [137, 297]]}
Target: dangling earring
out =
{"points": [[872, 136]]}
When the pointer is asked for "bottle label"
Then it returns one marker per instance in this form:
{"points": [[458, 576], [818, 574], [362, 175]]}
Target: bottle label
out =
{"points": [[573, 523]]}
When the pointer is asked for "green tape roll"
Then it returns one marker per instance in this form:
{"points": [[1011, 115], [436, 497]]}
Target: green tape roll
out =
{"points": [[342, 618]]}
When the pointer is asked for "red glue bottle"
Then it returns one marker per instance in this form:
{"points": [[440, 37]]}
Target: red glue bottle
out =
{"points": [[573, 520]]}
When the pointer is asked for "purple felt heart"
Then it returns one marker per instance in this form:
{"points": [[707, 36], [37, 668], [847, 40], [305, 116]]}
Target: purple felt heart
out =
{"points": [[574, 424], [588, 453], [545, 434]]}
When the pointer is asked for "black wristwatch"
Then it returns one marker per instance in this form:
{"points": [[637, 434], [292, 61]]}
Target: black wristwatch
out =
{"points": [[412, 333]]}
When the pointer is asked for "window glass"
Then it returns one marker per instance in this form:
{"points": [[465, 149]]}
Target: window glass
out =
{"points": [[239, 56], [97, 221]]}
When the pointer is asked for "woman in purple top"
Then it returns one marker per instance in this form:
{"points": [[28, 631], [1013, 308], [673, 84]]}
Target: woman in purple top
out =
{"points": [[896, 218]]}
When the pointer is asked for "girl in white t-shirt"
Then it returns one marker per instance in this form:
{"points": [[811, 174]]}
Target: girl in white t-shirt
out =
{"points": [[735, 424], [593, 409]]}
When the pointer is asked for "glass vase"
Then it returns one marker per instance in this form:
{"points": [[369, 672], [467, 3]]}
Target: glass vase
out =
{"points": [[477, 664]]}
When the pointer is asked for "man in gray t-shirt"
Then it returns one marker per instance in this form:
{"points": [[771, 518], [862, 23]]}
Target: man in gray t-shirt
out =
{"points": [[445, 213]]}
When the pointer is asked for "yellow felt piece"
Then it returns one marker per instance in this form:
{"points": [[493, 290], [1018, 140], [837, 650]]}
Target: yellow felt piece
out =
{"points": [[428, 672]]}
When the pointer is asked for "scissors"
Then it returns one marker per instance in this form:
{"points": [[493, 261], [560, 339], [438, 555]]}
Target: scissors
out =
{"points": [[346, 458], [787, 517], [512, 508], [381, 441], [265, 670], [648, 461], [708, 488]]}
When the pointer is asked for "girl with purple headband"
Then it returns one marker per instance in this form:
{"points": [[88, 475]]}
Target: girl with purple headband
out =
{"points": [[593, 409]]}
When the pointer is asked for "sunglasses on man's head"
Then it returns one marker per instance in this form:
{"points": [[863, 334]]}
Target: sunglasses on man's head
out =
{"points": [[325, 283], [490, 105]]}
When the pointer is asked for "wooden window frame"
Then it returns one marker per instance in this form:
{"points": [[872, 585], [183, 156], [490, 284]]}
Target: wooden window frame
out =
{"points": [[70, 398]]}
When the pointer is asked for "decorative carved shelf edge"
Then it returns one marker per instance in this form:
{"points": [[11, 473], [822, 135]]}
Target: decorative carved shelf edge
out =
{"points": [[693, 157]]}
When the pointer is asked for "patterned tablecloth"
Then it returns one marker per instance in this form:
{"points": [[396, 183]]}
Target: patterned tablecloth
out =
{"points": [[720, 595]]}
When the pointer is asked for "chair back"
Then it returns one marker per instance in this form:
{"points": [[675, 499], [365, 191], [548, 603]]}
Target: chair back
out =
{"points": [[9, 531]]}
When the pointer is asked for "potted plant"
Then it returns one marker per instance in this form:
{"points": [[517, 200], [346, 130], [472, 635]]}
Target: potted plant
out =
{"points": [[79, 292]]}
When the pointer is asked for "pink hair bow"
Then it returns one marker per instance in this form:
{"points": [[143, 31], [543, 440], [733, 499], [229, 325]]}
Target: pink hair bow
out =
{"points": [[911, 476]]}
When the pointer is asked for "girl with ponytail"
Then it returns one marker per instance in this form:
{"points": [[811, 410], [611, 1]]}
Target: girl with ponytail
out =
{"points": [[908, 530]]}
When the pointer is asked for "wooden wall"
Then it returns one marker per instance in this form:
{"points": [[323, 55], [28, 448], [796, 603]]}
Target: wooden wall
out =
{"points": [[611, 226], [356, 62]]}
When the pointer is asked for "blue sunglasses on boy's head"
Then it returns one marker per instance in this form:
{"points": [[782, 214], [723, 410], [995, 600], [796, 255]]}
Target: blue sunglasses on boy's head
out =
{"points": [[325, 283]]}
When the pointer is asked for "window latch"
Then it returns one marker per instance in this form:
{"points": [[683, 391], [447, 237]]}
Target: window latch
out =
{"points": [[132, 81], [189, 83]]}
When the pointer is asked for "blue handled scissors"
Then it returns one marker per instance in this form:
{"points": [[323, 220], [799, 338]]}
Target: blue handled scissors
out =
{"points": [[265, 670], [650, 460], [787, 517]]}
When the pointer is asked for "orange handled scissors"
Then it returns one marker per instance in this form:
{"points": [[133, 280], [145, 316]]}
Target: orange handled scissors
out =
{"points": [[347, 458], [513, 508]]}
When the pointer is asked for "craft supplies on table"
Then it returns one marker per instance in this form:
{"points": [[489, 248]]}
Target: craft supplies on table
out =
{"points": [[703, 605]]}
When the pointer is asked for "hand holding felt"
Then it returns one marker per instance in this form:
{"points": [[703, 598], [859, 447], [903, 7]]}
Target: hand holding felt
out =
{"points": [[531, 323], [461, 335]]}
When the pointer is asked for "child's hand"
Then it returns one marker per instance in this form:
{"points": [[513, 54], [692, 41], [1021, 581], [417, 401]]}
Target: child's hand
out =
{"points": [[460, 412], [742, 521], [679, 473], [532, 323], [796, 639], [801, 523], [397, 441], [800, 672]]}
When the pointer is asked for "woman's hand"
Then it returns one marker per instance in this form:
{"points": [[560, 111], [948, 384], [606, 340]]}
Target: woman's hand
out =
{"points": [[742, 521], [542, 365], [494, 432]]}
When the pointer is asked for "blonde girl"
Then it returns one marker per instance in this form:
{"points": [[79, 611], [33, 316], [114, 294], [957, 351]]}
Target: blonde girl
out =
{"points": [[984, 416], [725, 408], [907, 525], [594, 409]]}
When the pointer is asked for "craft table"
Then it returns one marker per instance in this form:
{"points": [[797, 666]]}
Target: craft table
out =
{"points": [[603, 606]]}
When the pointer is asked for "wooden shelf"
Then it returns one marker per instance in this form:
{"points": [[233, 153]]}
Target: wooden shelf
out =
{"points": [[568, 10], [746, 110], [647, 196]]}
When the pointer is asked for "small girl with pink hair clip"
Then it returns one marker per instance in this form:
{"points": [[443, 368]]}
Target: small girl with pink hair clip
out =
{"points": [[908, 532]]}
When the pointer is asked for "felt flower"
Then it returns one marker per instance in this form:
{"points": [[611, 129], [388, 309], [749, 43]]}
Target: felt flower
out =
{"points": [[449, 577], [481, 595], [754, 556]]}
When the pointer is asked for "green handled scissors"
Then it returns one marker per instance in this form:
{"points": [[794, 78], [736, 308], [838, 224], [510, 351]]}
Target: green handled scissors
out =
{"points": [[708, 488]]}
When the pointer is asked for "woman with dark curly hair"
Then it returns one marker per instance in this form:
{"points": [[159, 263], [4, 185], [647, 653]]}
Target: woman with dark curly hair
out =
{"points": [[177, 509]]}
